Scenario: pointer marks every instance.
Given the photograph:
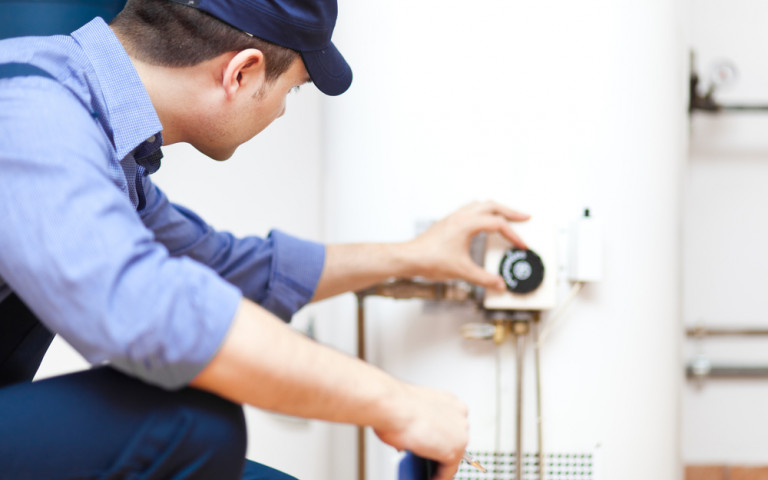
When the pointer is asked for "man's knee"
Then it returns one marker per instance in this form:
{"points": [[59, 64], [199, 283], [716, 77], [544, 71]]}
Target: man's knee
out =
{"points": [[210, 436], [189, 434]]}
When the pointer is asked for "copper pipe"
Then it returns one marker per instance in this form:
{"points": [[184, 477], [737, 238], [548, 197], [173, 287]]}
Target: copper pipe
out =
{"points": [[519, 408], [400, 288], [537, 360], [403, 288], [361, 356]]}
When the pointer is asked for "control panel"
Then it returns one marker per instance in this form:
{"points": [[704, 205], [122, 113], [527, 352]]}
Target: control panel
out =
{"points": [[530, 275]]}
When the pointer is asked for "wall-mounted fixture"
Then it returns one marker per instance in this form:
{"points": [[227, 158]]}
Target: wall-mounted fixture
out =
{"points": [[531, 277], [721, 75], [701, 368]]}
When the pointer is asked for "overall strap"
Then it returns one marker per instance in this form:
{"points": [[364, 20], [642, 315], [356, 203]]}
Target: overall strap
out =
{"points": [[10, 70], [23, 342], [15, 69]]}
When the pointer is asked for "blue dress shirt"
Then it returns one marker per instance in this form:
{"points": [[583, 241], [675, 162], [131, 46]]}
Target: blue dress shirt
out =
{"points": [[93, 247]]}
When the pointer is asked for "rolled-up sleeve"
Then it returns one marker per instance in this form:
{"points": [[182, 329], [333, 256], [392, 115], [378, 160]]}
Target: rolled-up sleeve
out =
{"points": [[294, 273], [279, 272], [74, 249]]}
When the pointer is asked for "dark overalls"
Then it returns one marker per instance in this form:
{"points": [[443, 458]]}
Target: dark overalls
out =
{"points": [[101, 424]]}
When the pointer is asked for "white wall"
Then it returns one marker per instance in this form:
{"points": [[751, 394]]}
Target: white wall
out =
{"points": [[548, 107], [725, 233]]}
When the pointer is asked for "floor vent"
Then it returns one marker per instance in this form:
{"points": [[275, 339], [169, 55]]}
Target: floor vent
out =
{"points": [[557, 466]]}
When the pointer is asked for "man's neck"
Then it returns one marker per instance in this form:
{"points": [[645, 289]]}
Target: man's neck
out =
{"points": [[163, 87]]}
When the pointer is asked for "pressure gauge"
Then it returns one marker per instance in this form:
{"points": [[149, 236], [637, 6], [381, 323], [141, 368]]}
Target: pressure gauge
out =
{"points": [[522, 270], [723, 73]]}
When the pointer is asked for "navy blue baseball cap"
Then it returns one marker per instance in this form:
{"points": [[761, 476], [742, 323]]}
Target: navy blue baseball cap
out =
{"points": [[301, 25]]}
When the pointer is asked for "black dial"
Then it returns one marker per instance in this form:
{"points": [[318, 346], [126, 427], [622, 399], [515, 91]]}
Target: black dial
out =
{"points": [[523, 270]]}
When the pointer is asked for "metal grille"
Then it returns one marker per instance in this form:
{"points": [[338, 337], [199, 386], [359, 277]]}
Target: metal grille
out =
{"points": [[557, 466]]}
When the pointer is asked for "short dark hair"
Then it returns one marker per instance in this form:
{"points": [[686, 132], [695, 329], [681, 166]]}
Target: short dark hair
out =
{"points": [[165, 33]]}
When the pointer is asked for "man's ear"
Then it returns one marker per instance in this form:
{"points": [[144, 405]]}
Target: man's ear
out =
{"points": [[245, 70]]}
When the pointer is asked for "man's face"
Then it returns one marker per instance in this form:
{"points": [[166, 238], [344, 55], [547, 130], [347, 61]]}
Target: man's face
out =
{"points": [[251, 114]]}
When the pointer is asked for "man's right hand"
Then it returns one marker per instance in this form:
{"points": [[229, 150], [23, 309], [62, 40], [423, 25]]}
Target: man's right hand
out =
{"points": [[267, 364], [432, 424]]}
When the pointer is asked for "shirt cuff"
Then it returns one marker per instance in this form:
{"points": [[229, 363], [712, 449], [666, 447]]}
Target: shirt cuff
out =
{"points": [[295, 272]]}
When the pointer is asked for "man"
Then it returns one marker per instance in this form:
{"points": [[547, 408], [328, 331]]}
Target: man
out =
{"points": [[187, 319]]}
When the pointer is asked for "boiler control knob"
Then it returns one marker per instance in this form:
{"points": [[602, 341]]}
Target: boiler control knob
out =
{"points": [[522, 270]]}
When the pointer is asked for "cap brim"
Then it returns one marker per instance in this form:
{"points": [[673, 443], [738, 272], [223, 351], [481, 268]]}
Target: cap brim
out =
{"points": [[328, 70]]}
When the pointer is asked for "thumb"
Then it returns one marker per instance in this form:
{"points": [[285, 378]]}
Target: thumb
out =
{"points": [[443, 473]]}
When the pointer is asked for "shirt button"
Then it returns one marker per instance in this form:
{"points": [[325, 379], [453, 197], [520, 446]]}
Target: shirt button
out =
{"points": [[151, 139]]}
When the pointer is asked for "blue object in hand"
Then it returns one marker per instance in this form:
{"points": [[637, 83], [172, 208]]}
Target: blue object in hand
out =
{"points": [[413, 467]]}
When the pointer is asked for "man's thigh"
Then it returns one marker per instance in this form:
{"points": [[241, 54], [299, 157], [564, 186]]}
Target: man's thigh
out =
{"points": [[103, 424]]}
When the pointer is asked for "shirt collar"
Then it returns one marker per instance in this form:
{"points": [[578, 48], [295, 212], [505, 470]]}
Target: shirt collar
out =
{"points": [[132, 119]]}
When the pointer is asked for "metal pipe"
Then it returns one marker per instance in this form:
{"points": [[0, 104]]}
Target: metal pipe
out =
{"points": [[404, 288], [497, 426], [723, 371], [742, 108], [725, 331], [361, 356], [708, 105], [520, 351], [537, 360]]}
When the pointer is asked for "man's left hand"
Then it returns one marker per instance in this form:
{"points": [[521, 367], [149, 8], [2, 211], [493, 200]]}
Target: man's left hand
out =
{"points": [[442, 251]]}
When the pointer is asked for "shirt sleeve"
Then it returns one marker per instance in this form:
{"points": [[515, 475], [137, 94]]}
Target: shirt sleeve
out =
{"points": [[76, 252], [279, 272]]}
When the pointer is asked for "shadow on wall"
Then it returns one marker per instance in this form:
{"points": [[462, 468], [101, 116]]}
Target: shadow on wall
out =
{"points": [[55, 17]]}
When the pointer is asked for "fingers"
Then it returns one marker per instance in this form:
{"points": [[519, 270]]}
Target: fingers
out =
{"points": [[479, 276], [442, 251], [496, 208], [494, 217], [500, 225], [507, 232], [446, 471]]}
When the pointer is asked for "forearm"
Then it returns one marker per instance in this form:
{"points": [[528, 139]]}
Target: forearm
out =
{"points": [[266, 364], [440, 253], [356, 266]]}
